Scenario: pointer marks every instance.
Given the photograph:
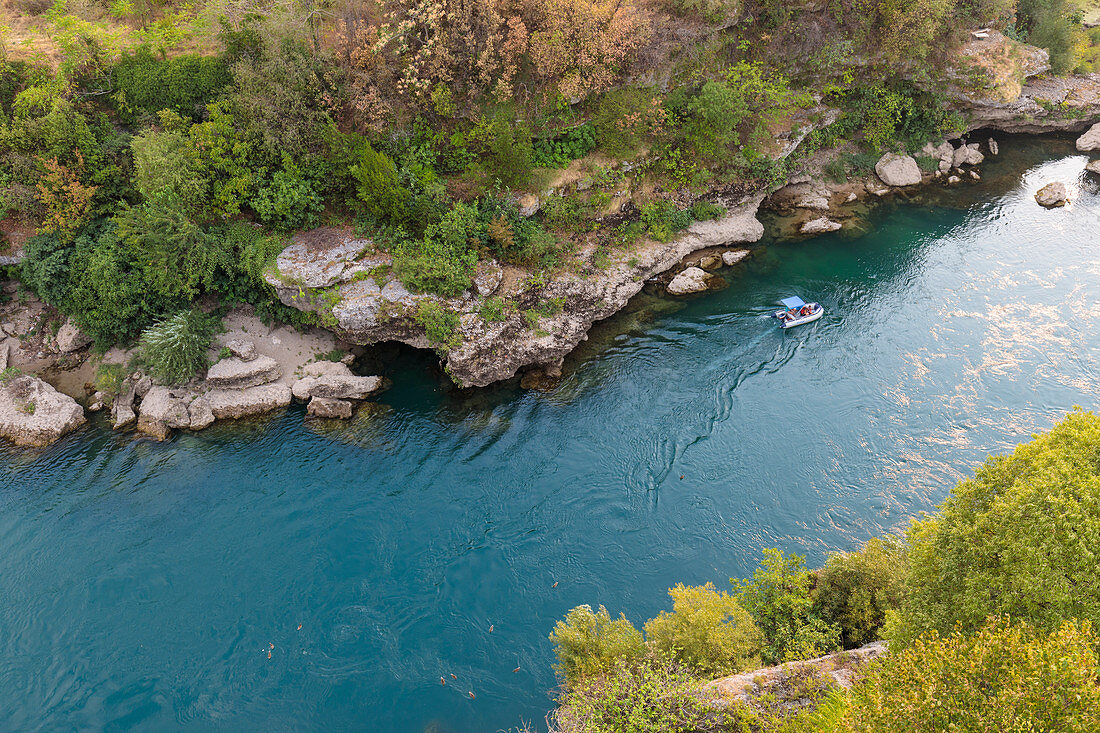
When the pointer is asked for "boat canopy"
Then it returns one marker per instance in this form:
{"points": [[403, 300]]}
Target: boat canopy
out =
{"points": [[793, 302]]}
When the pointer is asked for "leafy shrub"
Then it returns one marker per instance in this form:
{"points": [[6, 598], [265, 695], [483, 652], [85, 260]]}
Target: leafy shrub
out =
{"points": [[559, 151], [835, 171], [380, 187], [183, 84], [707, 631], [855, 589], [1006, 677], [174, 350], [1014, 540], [289, 201], [440, 324], [587, 643], [166, 164], [636, 698], [712, 11], [108, 378], [492, 310], [508, 153], [778, 597], [624, 117], [663, 220], [706, 210], [1048, 24]]}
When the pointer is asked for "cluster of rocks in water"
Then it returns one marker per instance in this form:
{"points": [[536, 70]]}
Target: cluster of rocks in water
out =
{"points": [[1056, 193]]}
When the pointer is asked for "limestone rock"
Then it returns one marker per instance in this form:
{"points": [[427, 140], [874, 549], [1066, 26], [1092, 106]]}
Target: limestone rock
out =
{"points": [[326, 369], [487, 278], [691, 280], [967, 155], [842, 667], [4, 352], [1093, 166], [242, 349], [994, 147], [330, 408], [952, 180], [202, 414], [1090, 140], [237, 403], [161, 411], [70, 338], [819, 226], [733, 256], [142, 386], [335, 386], [122, 411], [800, 195], [898, 170], [1052, 195], [234, 373], [528, 205], [32, 413]]}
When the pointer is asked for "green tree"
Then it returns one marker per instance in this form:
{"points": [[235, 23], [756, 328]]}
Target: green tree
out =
{"points": [[588, 642], [1021, 538], [166, 164], [855, 589], [707, 631], [778, 597]]}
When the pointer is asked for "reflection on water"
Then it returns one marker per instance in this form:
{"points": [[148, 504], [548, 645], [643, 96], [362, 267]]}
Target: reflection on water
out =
{"points": [[292, 573]]}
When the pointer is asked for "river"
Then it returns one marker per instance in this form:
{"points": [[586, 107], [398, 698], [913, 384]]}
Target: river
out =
{"points": [[269, 577]]}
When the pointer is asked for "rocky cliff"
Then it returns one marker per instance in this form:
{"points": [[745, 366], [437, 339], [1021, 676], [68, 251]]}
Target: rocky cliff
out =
{"points": [[349, 285]]}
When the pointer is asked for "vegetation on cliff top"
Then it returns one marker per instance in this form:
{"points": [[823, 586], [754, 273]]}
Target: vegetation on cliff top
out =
{"points": [[141, 141], [989, 606]]}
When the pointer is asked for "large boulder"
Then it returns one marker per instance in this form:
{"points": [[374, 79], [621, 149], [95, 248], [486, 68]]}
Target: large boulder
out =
{"points": [[235, 373], [1090, 140], [33, 413], [1093, 167], [242, 349], [1052, 195], [898, 170], [691, 280], [161, 411], [334, 380], [70, 338], [237, 403], [122, 411], [967, 155]]}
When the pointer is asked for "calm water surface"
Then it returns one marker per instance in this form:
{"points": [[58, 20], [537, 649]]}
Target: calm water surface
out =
{"points": [[271, 577]]}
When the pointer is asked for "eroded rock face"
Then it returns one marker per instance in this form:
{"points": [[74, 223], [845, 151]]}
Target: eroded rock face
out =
{"points": [[898, 170], [1052, 195], [691, 280], [242, 349], [32, 413], [841, 667], [1093, 166], [367, 311]]}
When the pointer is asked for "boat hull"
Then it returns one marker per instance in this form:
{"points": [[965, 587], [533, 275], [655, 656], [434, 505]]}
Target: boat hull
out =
{"points": [[801, 320]]}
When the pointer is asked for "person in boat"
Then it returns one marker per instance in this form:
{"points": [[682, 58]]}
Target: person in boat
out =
{"points": [[805, 310]]}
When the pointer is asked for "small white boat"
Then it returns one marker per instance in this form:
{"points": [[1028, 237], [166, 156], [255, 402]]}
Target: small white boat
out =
{"points": [[797, 312]]}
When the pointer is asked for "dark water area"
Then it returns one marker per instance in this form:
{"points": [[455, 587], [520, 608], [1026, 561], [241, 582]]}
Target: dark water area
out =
{"points": [[277, 575]]}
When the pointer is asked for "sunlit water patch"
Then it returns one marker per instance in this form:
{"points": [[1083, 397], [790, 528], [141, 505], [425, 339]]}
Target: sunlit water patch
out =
{"points": [[286, 575]]}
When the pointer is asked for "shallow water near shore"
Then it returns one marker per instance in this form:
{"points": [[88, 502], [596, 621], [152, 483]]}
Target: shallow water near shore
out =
{"points": [[275, 576]]}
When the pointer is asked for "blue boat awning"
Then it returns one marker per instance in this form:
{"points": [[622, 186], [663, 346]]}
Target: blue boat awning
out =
{"points": [[793, 302]]}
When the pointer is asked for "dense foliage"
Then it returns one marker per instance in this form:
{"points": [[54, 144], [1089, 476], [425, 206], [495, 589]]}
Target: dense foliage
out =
{"points": [[1020, 539]]}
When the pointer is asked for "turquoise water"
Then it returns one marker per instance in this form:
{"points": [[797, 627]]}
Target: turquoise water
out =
{"points": [[149, 586]]}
